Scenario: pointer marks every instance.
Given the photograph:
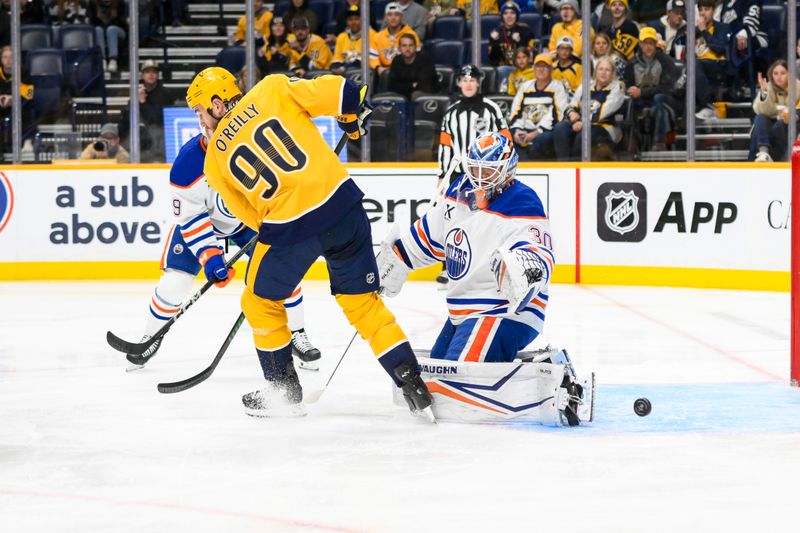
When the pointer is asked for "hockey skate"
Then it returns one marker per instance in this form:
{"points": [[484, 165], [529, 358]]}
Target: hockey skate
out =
{"points": [[281, 398], [307, 356], [415, 392], [136, 361]]}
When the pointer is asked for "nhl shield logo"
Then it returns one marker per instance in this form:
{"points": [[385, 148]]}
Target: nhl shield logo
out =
{"points": [[622, 214]]}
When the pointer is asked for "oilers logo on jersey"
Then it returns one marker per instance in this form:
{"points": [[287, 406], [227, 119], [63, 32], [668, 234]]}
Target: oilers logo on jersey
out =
{"points": [[458, 253], [222, 209]]}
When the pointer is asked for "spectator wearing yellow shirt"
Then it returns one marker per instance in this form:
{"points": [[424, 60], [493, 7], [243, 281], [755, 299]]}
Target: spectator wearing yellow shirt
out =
{"points": [[566, 68], [308, 51], [388, 39], [276, 51], [488, 7], [347, 53], [523, 72], [261, 23], [571, 25]]}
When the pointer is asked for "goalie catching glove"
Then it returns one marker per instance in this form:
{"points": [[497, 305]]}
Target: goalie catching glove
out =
{"points": [[391, 269], [518, 275], [214, 267]]}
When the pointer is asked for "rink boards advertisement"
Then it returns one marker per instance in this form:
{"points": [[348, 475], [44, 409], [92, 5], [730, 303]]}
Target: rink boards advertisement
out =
{"points": [[717, 225], [688, 227]]}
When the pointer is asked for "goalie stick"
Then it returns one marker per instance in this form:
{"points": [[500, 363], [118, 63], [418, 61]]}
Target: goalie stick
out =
{"points": [[188, 383], [136, 350]]}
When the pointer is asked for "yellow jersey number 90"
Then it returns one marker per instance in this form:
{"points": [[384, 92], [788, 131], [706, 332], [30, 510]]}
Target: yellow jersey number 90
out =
{"points": [[249, 168]]}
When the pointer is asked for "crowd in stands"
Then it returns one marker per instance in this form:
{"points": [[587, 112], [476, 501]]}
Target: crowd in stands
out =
{"points": [[537, 60], [532, 56]]}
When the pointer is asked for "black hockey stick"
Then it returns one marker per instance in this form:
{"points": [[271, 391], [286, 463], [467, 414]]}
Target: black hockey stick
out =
{"points": [[314, 396], [136, 350], [188, 383]]}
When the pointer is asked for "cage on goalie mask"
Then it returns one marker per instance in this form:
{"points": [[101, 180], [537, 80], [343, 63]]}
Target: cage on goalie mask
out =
{"points": [[211, 82], [491, 163]]}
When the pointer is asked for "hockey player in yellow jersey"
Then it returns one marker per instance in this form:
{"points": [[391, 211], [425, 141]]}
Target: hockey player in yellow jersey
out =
{"points": [[276, 174]]}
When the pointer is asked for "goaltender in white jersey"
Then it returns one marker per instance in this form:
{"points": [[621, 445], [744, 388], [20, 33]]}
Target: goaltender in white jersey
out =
{"points": [[493, 234]]}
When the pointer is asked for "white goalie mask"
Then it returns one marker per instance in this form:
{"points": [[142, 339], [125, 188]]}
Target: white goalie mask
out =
{"points": [[490, 165]]}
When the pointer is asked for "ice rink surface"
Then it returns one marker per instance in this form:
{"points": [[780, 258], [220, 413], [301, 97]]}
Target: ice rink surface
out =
{"points": [[87, 447]]}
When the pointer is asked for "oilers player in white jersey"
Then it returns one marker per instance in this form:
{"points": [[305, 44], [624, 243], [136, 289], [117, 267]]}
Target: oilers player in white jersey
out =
{"points": [[493, 234], [202, 223]]}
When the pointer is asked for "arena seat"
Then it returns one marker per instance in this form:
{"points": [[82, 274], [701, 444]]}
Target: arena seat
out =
{"points": [[35, 37], [448, 53], [446, 77], [448, 28], [232, 58]]}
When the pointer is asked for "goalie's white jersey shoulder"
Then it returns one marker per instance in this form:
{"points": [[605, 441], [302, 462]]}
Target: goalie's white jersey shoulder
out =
{"points": [[465, 239]]}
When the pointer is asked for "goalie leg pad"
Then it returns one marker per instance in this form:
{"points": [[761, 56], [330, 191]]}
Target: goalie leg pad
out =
{"points": [[505, 392]]}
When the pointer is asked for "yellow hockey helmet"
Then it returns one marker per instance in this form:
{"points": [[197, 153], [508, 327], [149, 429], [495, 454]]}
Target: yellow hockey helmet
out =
{"points": [[211, 82]]}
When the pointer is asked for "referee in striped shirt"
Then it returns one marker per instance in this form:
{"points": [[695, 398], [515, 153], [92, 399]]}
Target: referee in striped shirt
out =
{"points": [[466, 120]]}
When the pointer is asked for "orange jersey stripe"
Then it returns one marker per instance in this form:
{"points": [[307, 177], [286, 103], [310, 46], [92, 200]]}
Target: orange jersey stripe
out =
{"points": [[187, 234], [480, 339], [166, 247], [434, 387], [445, 139], [191, 184], [296, 292], [422, 236], [469, 311]]}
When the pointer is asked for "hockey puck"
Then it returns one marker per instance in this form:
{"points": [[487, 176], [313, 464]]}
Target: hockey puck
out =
{"points": [[642, 407]]}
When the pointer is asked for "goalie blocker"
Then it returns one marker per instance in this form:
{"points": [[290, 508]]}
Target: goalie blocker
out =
{"points": [[538, 387]]}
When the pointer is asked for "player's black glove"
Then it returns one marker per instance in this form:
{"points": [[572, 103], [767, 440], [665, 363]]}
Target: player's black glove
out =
{"points": [[355, 125]]}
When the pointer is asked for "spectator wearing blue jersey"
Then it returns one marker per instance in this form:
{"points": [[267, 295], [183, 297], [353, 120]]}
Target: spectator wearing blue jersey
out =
{"points": [[711, 47]]}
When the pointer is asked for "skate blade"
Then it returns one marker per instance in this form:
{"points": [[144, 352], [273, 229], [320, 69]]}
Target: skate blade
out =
{"points": [[307, 365], [133, 368], [425, 414], [285, 411]]}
